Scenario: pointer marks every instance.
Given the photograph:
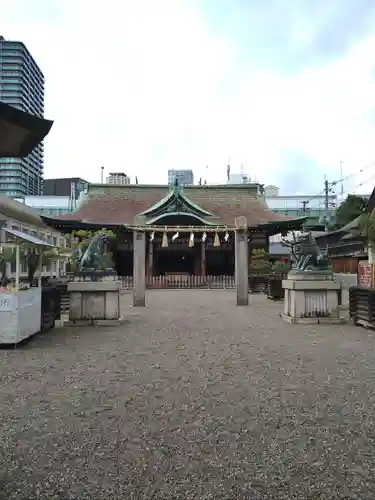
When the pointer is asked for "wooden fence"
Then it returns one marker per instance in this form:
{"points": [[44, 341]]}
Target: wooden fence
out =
{"points": [[184, 282], [257, 283]]}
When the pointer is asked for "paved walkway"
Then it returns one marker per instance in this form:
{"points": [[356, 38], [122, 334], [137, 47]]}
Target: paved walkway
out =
{"points": [[192, 398]]}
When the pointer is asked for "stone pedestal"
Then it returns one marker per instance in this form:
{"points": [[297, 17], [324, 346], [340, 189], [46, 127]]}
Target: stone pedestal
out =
{"points": [[311, 297], [94, 303]]}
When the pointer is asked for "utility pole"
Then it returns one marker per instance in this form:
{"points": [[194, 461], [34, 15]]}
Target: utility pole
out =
{"points": [[326, 204], [304, 205]]}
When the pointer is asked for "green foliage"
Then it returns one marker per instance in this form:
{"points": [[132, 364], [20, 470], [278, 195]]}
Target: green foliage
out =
{"points": [[350, 209], [31, 256], [281, 267], [107, 261], [7, 256], [259, 261], [367, 226]]}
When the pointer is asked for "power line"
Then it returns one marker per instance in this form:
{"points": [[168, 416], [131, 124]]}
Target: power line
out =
{"points": [[334, 183]]}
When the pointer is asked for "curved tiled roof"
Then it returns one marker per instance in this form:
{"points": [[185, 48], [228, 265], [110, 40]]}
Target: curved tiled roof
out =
{"points": [[121, 204], [19, 211]]}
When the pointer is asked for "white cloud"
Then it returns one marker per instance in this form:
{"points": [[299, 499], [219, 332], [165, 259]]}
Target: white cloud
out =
{"points": [[143, 86]]}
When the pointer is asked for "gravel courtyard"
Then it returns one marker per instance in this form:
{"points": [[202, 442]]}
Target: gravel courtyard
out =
{"points": [[192, 398]]}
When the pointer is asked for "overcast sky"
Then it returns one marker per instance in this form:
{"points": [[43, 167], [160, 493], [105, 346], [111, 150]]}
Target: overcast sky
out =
{"points": [[284, 87]]}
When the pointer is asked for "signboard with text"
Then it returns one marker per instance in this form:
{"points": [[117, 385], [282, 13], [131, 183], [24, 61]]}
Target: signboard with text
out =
{"points": [[364, 275], [6, 302]]}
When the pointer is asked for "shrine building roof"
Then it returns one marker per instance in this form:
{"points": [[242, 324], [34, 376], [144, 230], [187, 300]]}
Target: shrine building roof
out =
{"points": [[219, 205]]}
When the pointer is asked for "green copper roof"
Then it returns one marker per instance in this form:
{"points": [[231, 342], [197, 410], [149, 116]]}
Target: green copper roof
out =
{"points": [[175, 202]]}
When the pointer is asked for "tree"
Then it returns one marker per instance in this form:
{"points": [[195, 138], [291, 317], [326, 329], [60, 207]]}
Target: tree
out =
{"points": [[30, 254], [259, 261], [349, 210], [367, 227], [291, 243], [7, 255]]}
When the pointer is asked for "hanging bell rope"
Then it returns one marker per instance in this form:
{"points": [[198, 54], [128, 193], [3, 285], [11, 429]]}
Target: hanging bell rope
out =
{"points": [[152, 236], [204, 237], [191, 240], [216, 240], [175, 236], [226, 237]]}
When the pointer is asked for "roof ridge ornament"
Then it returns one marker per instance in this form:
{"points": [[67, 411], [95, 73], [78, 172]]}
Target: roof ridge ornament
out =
{"points": [[177, 187]]}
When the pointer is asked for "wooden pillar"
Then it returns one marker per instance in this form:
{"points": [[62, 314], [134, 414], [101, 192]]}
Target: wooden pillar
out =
{"points": [[203, 258], [241, 263], [150, 262]]}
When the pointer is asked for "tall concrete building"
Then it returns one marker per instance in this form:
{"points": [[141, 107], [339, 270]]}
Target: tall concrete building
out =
{"points": [[118, 178], [65, 186], [184, 177], [21, 86]]}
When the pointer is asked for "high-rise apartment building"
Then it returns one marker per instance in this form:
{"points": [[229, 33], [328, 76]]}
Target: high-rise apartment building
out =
{"points": [[184, 177], [118, 178], [21, 86]]}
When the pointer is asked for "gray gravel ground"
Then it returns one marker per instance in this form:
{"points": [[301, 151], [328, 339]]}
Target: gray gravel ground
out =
{"points": [[192, 398]]}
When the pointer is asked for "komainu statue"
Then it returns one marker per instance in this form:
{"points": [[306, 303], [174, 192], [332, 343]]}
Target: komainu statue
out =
{"points": [[92, 257], [308, 256]]}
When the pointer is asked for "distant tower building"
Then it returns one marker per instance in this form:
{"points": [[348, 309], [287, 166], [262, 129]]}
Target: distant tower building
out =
{"points": [[21, 86], [118, 178], [184, 177], [66, 186], [271, 191], [238, 179]]}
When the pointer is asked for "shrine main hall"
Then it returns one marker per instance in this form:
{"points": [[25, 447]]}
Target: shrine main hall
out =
{"points": [[190, 229]]}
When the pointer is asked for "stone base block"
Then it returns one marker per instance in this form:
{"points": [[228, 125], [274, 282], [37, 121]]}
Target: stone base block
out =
{"points": [[93, 301], [313, 321], [95, 322], [314, 300]]}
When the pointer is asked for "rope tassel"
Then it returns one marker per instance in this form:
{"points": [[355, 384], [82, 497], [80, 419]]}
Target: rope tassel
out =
{"points": [[191, 240], [164, 241], [216, 240]]}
